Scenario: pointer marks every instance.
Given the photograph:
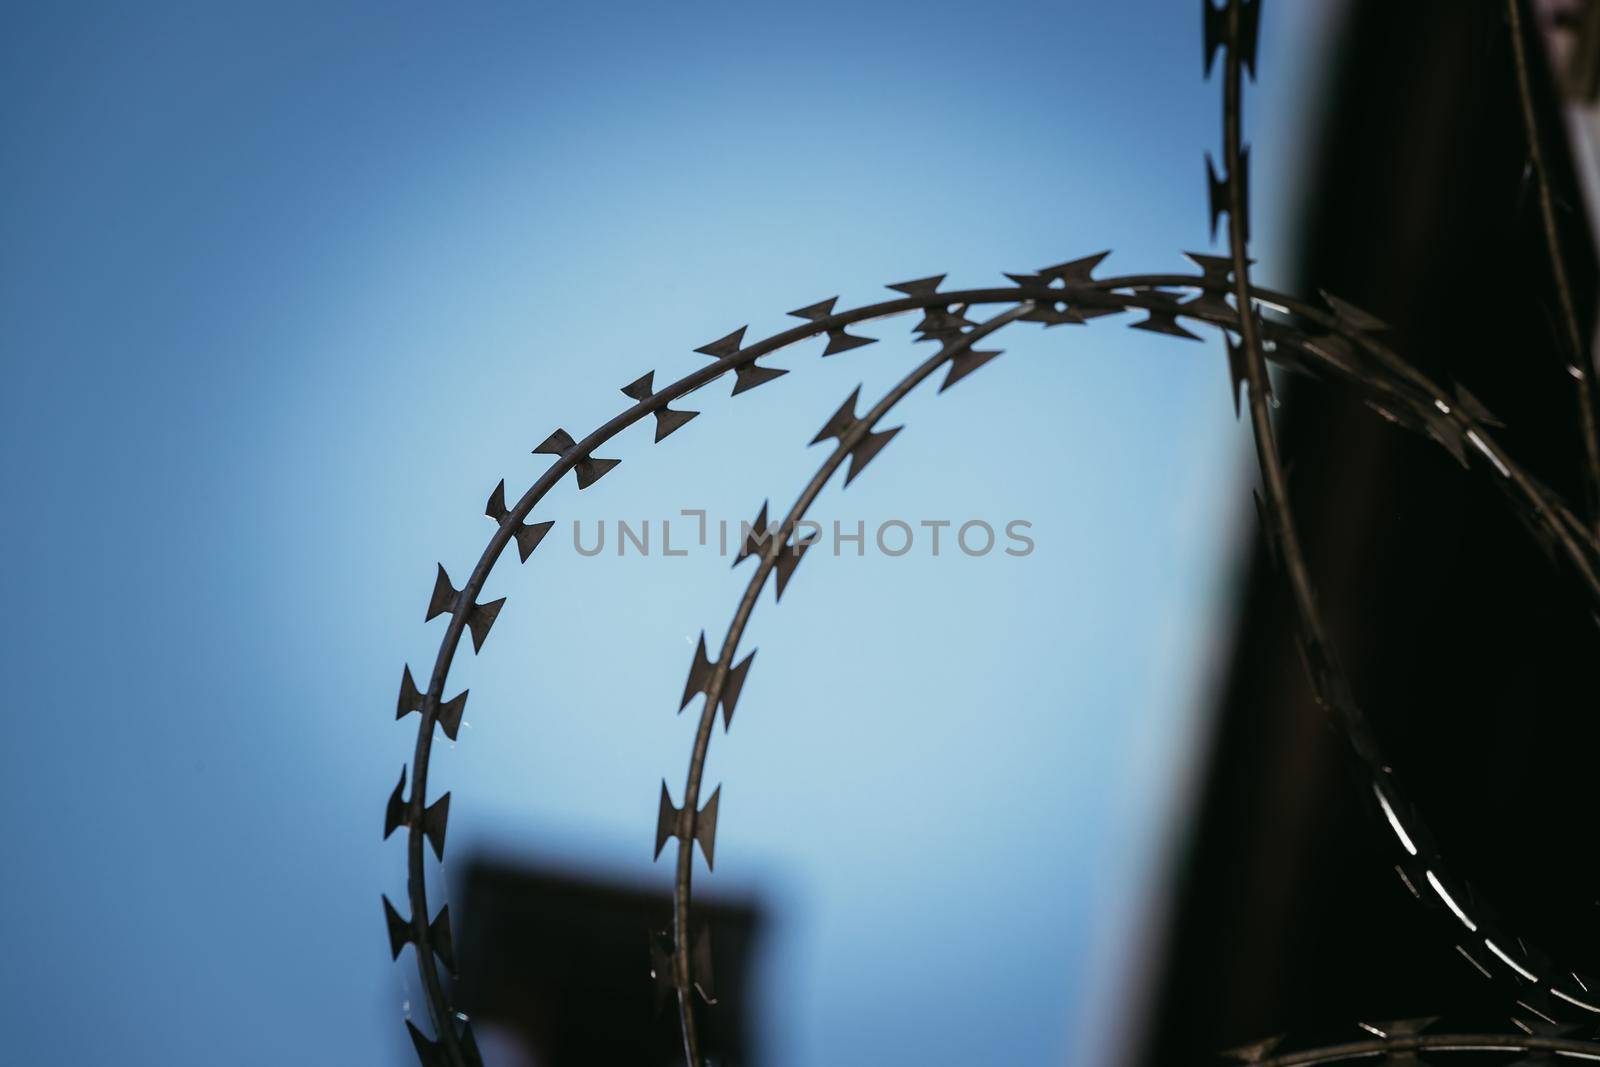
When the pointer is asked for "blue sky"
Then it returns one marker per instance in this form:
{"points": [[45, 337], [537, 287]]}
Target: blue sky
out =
{"points": [[288, 288]]}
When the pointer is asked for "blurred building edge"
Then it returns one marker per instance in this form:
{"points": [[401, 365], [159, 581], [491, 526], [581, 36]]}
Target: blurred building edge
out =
{"points": [[1470, 652], [556, 970]]}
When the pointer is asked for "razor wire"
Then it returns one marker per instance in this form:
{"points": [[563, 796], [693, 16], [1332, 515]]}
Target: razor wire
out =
{"points": [[1336, 342]]}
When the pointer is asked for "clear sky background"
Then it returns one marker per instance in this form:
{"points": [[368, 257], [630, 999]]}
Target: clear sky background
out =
{"points": [[288, 288]]}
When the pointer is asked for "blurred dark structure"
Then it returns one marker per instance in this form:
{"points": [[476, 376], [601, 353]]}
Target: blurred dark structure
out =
{"points": [[559, 966], [1475, 658]]}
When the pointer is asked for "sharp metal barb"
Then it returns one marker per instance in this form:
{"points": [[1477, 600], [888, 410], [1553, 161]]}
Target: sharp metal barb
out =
{"points": [[429, 1053], [702, 671], [1216, 273], [788, 559], [528, 535], [870, 446], [731, 687], [746, 376], [443, 600], [399, 928], [1163, 318], [965, 363], [1249, 26], [1239, 378], [699, 674], [394, 814], [435, 819], [672, 821], [919, 287], [589, 469], [411, 699], [1215, 32], [705, 829], [1075, 271], [410, 696], [750, 375], [941, 324], [1219, 194], [559, 443], [401, 933], [667, 420], [724, 346], [439, 938], [450, 711], [816, 312], [496, 507], [1054, 313], [1214, 270], [840, 341], [481, 619], [1248, 34], [840, 422], [640, 388], [755, 537]]}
